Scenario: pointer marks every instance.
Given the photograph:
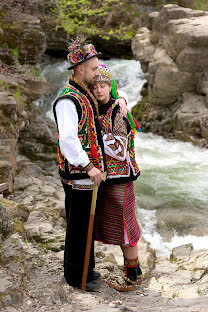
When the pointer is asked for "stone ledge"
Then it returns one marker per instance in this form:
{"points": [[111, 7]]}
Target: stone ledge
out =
{"points": [[3, 187]]}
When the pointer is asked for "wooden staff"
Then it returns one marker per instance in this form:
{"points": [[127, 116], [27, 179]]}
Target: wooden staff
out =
{"points": [[89, 235]]}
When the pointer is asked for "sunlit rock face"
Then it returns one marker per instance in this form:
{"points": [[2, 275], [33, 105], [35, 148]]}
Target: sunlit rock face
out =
{"points": [[173, 53]]}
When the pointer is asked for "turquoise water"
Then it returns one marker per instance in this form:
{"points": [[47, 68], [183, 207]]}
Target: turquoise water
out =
{"points": [[172, 191]]}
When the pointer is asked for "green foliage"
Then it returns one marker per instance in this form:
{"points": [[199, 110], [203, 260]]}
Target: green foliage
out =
{"points": [[89, 18], [201, 5], [17, 93], [18, 97], [15, 54], [17, 220]]}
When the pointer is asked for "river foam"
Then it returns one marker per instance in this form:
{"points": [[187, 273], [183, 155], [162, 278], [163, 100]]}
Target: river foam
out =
{"points": [[172, 192]]}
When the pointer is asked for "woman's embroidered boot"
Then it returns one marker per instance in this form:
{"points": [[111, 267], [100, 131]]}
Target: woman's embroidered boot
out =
{"points": [[127, 282], [131, 268], [139, 274], [139, 270]]}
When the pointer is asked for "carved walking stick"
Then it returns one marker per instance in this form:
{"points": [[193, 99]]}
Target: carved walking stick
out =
{"points": [[89, 235]]}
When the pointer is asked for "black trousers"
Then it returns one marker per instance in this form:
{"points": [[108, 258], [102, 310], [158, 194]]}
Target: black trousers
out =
{"points": [[77, 206]]}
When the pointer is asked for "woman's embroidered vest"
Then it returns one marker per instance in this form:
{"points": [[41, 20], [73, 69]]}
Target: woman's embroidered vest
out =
{"points": [[88, 133], [116, 168]]}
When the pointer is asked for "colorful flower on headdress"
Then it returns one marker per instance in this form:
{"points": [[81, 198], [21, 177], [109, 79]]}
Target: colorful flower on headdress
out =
{"points": [[104, 74], [80, 51]]}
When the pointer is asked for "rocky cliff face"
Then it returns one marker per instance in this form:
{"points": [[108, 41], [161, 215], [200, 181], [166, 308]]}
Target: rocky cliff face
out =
{"points": [[18, 118], [173, 52]]}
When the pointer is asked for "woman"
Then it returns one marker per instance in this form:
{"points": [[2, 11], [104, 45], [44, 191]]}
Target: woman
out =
{"points": [[115, 220]]}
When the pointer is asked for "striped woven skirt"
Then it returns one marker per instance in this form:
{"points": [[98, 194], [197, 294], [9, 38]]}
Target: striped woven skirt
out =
{"points": [[115, 218]]}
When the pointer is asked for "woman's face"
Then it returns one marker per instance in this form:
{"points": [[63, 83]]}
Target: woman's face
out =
{"points": [[101, 91]]}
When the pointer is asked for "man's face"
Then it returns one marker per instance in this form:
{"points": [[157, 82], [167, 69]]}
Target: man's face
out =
{"points": [[90, 71]]}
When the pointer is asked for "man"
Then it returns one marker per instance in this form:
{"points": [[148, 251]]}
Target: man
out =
{"points": [[81, 160]]}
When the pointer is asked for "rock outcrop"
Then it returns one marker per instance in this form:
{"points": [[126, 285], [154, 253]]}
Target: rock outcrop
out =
{"points": [[33, 227], [17, 91], [22, 34], [173, 53]]}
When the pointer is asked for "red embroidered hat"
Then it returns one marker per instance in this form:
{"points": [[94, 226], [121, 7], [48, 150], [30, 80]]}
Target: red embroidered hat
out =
{"points": [[80, 52]]}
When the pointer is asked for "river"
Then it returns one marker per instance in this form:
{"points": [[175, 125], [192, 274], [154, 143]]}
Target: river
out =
{"points": [[172, 191]]}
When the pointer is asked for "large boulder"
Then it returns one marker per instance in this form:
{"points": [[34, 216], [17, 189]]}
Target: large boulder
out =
{"points": [[173, 54]]}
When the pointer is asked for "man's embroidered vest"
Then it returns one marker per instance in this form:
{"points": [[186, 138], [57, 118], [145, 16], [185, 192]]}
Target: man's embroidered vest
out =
{"points": [[116, 169], [88, 132]]}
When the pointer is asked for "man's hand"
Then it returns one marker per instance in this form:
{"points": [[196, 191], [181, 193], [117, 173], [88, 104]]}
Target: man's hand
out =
{"points": [[95, 175], [123, 108]]}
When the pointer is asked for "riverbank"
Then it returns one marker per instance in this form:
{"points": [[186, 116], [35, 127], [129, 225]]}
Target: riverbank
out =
{"points": [[32, 242]]}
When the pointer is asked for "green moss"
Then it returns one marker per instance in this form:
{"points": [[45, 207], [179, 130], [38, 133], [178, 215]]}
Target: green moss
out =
{"points": [[2, 14], [43, 245], [37, 72], [18, 226], [147, 275], [139, 108]]}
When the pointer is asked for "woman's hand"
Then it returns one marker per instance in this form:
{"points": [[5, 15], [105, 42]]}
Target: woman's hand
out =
{"points": [[123, 107]]}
